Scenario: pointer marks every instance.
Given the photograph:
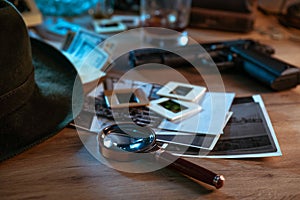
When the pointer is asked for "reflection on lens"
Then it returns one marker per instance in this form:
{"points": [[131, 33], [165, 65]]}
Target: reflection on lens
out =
{"points": [[129, 137], [107, 142]]}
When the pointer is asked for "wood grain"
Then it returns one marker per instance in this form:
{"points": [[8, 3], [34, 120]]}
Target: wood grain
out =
{"points": [[62, 168]]}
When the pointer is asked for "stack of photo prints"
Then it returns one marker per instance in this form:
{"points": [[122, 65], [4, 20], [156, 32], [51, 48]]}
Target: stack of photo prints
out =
{"points": [[184, 117]]}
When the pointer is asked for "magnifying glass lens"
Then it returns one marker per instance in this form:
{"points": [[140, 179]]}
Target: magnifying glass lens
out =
{"points": [[129, 138]]}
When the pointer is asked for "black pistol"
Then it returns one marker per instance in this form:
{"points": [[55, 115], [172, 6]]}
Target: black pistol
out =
{"points": [[251, 56]]}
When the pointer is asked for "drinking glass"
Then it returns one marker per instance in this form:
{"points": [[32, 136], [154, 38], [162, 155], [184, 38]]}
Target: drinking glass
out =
{"points": [[171, 14], [170, 19]]}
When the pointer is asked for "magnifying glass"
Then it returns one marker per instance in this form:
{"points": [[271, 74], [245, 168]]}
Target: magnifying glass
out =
{"points": [[128, 141]]}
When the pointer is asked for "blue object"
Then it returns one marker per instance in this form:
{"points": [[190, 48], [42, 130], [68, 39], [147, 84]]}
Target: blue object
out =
{"points": [[65, 7]]}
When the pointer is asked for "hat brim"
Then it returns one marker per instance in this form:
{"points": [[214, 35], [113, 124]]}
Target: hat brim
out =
{"points": [[49, 109]]}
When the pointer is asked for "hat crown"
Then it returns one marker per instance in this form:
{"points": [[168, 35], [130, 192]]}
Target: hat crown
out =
{"points": [[16, 77], [15, 50], [36, 84]]}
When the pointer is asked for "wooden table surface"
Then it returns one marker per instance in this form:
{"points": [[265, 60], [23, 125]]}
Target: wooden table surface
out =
{"points": [[62, 168]]}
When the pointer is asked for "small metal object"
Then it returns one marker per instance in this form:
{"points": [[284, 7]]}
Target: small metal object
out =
{"points": [[218, 181]]}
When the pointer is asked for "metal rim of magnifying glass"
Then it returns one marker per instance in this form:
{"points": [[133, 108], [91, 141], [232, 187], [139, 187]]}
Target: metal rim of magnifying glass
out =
{"points": [[118, 154]]}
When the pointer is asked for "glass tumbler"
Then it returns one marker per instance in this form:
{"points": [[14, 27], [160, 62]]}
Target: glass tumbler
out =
{"points": [[171, 14]]}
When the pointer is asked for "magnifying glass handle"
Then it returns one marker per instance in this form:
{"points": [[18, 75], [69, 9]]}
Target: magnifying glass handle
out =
{"points": [[193, 170]]}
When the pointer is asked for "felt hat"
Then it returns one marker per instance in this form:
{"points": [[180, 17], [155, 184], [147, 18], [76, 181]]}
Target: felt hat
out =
{"points": [[37, 85]]}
